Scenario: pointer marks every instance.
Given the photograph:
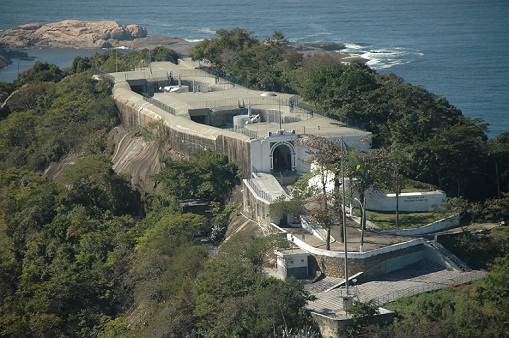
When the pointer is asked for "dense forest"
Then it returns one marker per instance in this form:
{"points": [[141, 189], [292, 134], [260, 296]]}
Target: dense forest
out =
{"points": [[82, 255]]}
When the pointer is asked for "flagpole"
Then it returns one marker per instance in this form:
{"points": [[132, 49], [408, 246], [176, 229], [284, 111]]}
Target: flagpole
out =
{"points": [[344, 217]]}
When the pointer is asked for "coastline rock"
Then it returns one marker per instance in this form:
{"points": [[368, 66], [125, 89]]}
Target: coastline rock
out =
{"points": [[5, 60], [109, 34], [317, 47], [71, 34], [179, 45]]}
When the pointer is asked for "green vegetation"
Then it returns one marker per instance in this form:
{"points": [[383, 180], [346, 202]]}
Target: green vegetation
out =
{"points": [[82, 256], [208, 176], [479, 248], [478, 310], [267, 65], [441, 147], [407, 220], [63, 241]]}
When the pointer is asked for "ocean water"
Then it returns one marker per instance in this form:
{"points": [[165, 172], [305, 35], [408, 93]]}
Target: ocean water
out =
{"points": [[458, 49]]}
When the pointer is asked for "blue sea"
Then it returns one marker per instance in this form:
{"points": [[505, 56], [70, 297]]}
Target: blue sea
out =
{"points": [[458, 49]]}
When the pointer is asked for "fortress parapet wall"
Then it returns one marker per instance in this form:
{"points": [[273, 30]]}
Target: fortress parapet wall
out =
{"points": [[182, 134]]}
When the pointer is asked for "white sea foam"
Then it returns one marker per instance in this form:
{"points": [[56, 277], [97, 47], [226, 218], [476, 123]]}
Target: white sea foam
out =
{"points": [[207, 30], [353, 47], [382, 58]]}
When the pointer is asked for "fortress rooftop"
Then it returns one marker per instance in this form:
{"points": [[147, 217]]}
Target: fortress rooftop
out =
{"points": [[186, 90]]}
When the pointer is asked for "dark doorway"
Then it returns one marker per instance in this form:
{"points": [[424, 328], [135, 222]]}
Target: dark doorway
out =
{"points": [[283, 222], [282, 158]]}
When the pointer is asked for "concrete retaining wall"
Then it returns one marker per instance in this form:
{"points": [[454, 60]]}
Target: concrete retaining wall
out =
{"points": [[372, 263], [181, 134], [443, 224], [336, 328], [255, 207]]}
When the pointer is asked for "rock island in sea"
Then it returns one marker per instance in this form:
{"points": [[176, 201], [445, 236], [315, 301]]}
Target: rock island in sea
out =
{"points": [[82, 35], [106, 34]]}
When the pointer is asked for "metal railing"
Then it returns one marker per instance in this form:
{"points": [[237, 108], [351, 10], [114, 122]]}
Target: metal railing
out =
{"points": [[164, 106], [260, 192], [298, 130], [251, 134]]}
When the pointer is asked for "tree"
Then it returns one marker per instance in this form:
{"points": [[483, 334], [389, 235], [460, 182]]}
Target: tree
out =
{"points": [[362, 313], [67, 245], [497, 210], [497, 167], [283, 206], [221, 51], [325, 207], [208, 176], [303, 76], [40, 72], [332, 90], [166, 262], [160, 53], [232, 290], [221, 218], [451, 159], [27, 97], [264, 65], [390, 171]]}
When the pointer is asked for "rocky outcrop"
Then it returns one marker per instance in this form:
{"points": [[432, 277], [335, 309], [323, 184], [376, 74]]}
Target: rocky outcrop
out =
{"points": [[71, 34], [179, 45], [107, 34], [5, 60], [137, 158]]}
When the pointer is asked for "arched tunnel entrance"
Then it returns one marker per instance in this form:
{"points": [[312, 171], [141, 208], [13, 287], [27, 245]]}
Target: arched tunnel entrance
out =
{"points": [[282, 158]]}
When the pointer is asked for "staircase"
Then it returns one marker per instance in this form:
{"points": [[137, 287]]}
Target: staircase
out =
{"points": [[451, 259]]}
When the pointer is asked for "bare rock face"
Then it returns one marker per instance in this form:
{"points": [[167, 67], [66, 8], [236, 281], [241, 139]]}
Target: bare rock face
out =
{"points": [[5, 60], [137, 158], [71, 34]]}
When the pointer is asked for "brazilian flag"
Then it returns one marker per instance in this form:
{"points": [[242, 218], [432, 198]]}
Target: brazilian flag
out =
{"points": [[355, 161]]}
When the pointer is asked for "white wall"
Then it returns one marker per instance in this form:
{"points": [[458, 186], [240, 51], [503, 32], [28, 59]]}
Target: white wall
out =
{"points": [[260, 150], [408, 202], [376, 200]]}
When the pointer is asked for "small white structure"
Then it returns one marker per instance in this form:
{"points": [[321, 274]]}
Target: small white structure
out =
{"points": [[292, 263]]}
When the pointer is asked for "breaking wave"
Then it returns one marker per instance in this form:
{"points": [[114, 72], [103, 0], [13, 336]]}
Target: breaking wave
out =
{"points": [[382, 58]]}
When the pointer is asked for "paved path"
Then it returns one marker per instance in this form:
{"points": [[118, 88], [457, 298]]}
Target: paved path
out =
{"points": [[422, 277], [372, 240]]}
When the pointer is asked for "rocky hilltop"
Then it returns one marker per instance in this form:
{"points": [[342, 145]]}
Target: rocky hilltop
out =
{"points": [[71, 34]]}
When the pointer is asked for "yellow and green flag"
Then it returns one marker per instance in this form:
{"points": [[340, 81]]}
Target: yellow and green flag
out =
{"points": [[355, 161]]}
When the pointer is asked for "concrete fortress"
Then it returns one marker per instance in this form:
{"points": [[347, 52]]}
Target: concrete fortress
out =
{"points": [[199, 110], [191, 108]]}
